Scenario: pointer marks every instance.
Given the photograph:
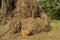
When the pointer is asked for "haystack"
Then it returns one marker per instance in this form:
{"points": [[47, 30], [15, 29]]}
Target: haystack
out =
{"points": [[23, 15]]}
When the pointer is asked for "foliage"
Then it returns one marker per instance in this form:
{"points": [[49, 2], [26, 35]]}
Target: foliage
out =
{"points": [[51, 7]]}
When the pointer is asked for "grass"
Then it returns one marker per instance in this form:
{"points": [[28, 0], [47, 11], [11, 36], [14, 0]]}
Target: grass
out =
{"points": [[54, 34]]}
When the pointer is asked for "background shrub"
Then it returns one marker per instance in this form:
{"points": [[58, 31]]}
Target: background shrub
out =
{"points": [[51, 7]]}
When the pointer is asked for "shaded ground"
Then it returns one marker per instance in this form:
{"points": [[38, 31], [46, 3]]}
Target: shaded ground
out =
{"points": [[52, 35]]}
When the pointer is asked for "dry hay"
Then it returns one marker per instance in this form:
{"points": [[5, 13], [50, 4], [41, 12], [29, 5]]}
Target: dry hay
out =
{"points": [[33, 26], [24, 16]]}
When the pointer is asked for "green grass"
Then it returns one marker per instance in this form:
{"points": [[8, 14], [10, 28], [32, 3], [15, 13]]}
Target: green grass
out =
{"points": [[54, 34]]}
